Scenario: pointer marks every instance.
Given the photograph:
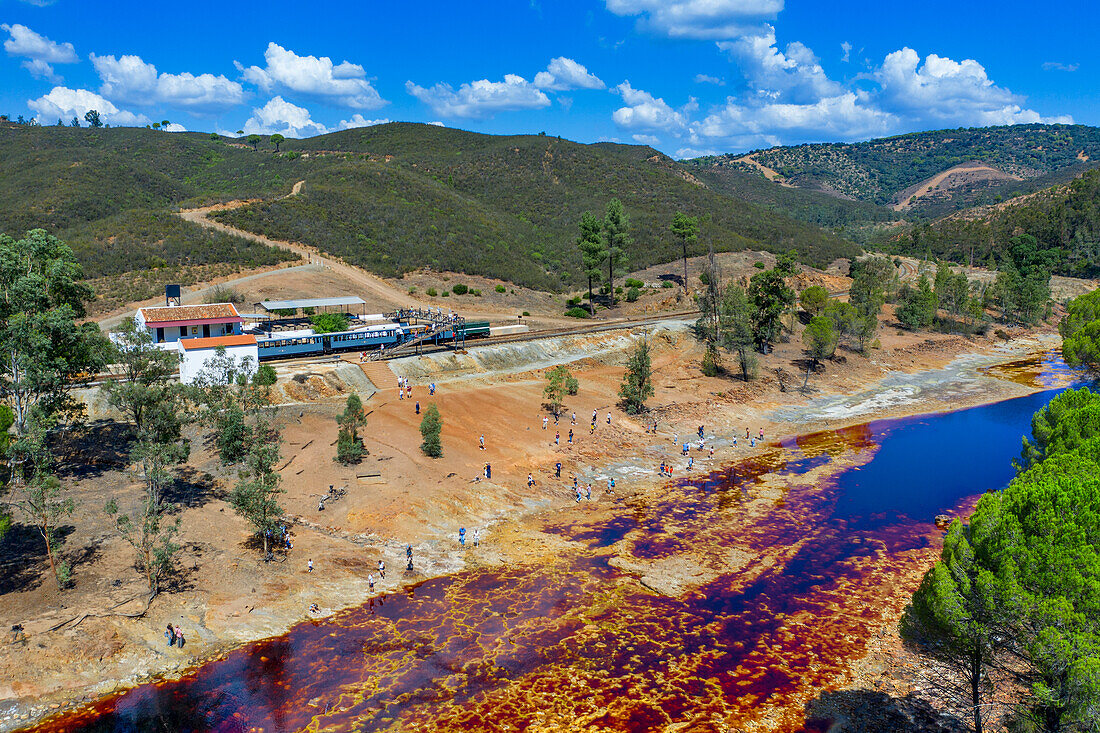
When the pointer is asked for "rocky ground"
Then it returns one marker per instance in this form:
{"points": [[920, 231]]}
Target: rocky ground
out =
{"points": [[77, 643]]}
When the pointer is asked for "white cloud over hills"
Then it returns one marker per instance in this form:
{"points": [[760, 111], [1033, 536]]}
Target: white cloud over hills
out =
{"points": [[344, 84], [480, 99], [39, 53], [64, 103], [130, 79]]}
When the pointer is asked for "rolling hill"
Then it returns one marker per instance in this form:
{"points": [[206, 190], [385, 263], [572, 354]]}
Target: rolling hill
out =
{"points": [[927, 174], [392, 198]]}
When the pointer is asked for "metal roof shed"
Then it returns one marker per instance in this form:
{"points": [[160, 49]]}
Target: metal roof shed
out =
{"points": [[343, 301]]}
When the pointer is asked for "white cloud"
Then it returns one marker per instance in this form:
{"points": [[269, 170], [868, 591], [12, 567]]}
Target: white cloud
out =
{"points": [[712, 19], [174, 127], [480, 99], [790, 98], [651, 140], [847, 49], [795, 74], [130, 79], [40, 52], [563, 74], [643, 111], [437, 123], [344, 83], [358, 120], [1059, 66], [941, 91], [708, 79], [280, 116], [65, 103]]}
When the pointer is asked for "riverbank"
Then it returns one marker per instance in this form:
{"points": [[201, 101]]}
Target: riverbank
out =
{"points": [[235, 598]]}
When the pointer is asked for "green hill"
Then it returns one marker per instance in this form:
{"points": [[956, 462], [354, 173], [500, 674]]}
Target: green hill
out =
{"points": [[879, 171], [409, 195], [1064, 218], [392, 198]]}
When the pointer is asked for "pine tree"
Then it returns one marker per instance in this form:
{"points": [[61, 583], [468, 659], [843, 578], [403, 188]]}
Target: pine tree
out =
{"points": [[637, 386], [593, 251], [431, 428], [616, 226]]}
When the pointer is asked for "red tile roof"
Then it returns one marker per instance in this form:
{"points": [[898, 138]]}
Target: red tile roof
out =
{"points": [[215, 341], [189, 312]]}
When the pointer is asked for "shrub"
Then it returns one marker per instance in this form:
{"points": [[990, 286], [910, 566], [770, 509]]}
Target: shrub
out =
{"points": [[476, 293], [578, 313], [759, 265], [619, 290], [431, 292], [308, 311], [500, 288], [632, 294], [430, 429], [264, 376], [459, 289], [412, 290], [525, 314], [667, 284], [632, 283], [223, 294], [445, 294], [329, 322]]}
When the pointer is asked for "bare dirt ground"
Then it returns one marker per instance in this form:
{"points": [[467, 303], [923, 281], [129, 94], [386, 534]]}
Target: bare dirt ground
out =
{"points": [[225, 595], [960, 175]]}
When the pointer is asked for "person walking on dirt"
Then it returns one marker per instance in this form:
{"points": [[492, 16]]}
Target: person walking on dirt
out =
{"points": [[382, 569], [700, 432], [409, 556], [418, 407], [481, 441], [309, 566], [545, 422], [588, 491], [462, 536], [557, 470], [180, 639], [370, 581], [593, 417], [570, 436], [477, 537], [170, 635], [557, 438], [530, 481], [609, 418], [573, 419], [488, 471], [761, 433]]}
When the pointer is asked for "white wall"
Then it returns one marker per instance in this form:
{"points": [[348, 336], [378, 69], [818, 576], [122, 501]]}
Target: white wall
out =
{"points": [[193, 360]]}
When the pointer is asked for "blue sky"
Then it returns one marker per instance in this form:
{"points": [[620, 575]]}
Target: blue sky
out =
{"points": [[686, 76]]}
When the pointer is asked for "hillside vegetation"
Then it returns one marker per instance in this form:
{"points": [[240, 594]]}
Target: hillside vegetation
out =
{"points": [[408, 195], [879, 170], [1064, 219], [391, 198]]}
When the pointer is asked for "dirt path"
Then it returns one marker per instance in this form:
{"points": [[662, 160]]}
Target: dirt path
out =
{"points": [[769, 173], [371, 283], [927, 186]]}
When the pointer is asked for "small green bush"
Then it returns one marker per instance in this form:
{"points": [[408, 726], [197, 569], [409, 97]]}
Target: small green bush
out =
{"points": [[500, 288], [525, 314], [476, 293], [632, 283], [431, 292], [705, 279], [578, 313], [445, 294], [759, 265], [460, 289], [619, 290], [632, 295], [667, 284]]}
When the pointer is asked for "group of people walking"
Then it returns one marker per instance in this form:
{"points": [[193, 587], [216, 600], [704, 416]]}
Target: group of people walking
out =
{"points": [[174, 635]]}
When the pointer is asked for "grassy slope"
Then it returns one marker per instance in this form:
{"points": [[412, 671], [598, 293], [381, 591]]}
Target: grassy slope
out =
{"points": [[877, 170], [396, 197], [423, 195]]}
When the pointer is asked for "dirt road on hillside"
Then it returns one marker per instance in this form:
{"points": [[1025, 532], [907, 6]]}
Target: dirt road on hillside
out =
{"points": [[370, 282]]}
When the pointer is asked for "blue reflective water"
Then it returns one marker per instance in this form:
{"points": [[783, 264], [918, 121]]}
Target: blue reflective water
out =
{"points": [[925, 464]]}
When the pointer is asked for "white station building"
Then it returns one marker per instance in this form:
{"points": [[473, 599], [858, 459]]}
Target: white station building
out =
{"points": [[196, 332]]}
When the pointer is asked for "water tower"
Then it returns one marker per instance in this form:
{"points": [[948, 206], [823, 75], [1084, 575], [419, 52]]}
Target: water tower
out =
{"points": [[172, 295]]}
